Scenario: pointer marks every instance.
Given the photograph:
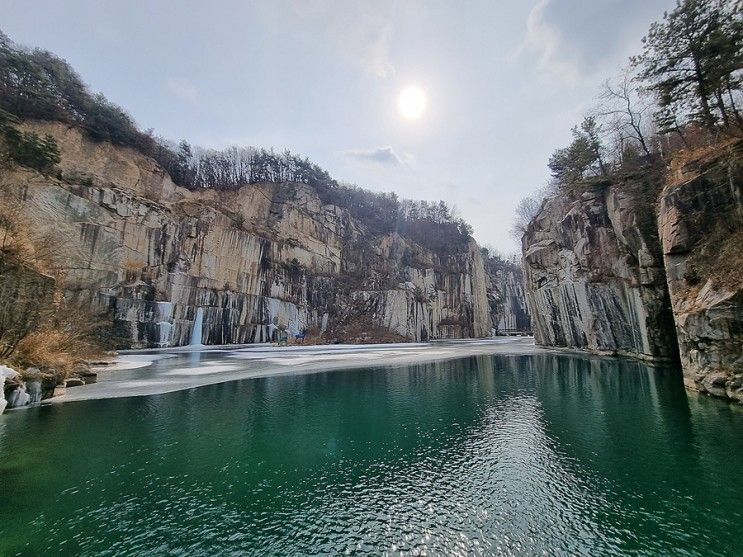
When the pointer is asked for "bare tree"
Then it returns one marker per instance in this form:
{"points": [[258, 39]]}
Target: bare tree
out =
{"points": [[526, 210], [625, 111]]}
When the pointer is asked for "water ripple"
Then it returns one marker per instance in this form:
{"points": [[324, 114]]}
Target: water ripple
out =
{"points": [[482, 456]]}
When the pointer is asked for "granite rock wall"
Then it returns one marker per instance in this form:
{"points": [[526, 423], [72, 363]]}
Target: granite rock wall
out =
{"points": [[508, 309], [701, 228], [153, 256], [594, 275], [648, 267]]}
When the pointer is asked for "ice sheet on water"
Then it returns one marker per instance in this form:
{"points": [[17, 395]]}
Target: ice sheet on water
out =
{"points": [[195, 366], [133, 361], [255, 353], [201, 370], [296, 360]]}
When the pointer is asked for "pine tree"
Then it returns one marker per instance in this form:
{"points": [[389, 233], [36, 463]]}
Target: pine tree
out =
{"points": [[691, 59]]}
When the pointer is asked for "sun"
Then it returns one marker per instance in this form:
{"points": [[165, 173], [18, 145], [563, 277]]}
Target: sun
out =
{"points": [[411, 104]]}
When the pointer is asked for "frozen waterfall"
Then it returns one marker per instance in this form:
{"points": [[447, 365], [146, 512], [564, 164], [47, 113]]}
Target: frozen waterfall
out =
{"points": [[164, 310], [197, 328]]}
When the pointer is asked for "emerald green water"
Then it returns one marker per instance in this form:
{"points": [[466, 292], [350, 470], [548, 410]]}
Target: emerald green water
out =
{"points": [[491, 455]]}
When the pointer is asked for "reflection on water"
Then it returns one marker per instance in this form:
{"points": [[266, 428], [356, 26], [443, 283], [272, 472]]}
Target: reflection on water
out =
{"points": [[482, 455]]}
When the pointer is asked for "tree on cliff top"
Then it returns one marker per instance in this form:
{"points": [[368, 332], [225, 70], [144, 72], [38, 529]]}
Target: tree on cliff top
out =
{"points": [[584, 157], [526, 210], [625, 111], [26, 148], [692, 61], [36, 84], [690, 74]]}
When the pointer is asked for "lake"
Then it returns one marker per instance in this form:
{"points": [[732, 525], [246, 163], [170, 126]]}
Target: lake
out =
{"points": [[490, 454]]}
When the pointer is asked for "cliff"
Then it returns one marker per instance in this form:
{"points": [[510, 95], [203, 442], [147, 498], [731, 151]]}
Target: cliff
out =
{"points": [[701, 227], [594, 273], [508, 310], [24, 294], [162, 261], [613, 270]]}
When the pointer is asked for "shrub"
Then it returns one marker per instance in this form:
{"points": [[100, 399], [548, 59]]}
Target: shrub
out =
{"points": [[58, 348], [30, 150]]}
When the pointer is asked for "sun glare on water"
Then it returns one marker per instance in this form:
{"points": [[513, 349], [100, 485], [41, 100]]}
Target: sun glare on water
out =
{"points": [[411, 104]]}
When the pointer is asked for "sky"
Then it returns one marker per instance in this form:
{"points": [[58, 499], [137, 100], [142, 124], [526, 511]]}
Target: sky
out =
{"points": [[504, 82]]}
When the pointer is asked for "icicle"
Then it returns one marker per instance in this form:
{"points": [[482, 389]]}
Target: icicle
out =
{"points": [[19, 397], [34, 391], [5, 373]]}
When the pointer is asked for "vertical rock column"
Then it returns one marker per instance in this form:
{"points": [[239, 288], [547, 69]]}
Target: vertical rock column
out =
{"points": [[594, 276]]}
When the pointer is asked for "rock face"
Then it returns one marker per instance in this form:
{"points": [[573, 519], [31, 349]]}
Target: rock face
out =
{"points": [[613, 271], [24, 293], [154, 256], [508, 310], [594, 274], [701, 228]]}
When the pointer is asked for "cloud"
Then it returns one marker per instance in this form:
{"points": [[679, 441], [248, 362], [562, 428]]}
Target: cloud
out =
{"points": [[375, 54], [184, 90], [575, 39], [384, 155], [544, 39], [359, 32]]}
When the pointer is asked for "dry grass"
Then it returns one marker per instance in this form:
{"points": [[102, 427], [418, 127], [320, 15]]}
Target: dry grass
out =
{"points": [[720, 258], [361, 329], [315, 338], [53, 351], [64, 336], [718, 255], [15, 237], [312, 336], [62, 343], [687, 163]]}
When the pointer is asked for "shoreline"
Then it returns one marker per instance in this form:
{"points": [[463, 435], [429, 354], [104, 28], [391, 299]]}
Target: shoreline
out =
{"points": [[165, 370]]}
